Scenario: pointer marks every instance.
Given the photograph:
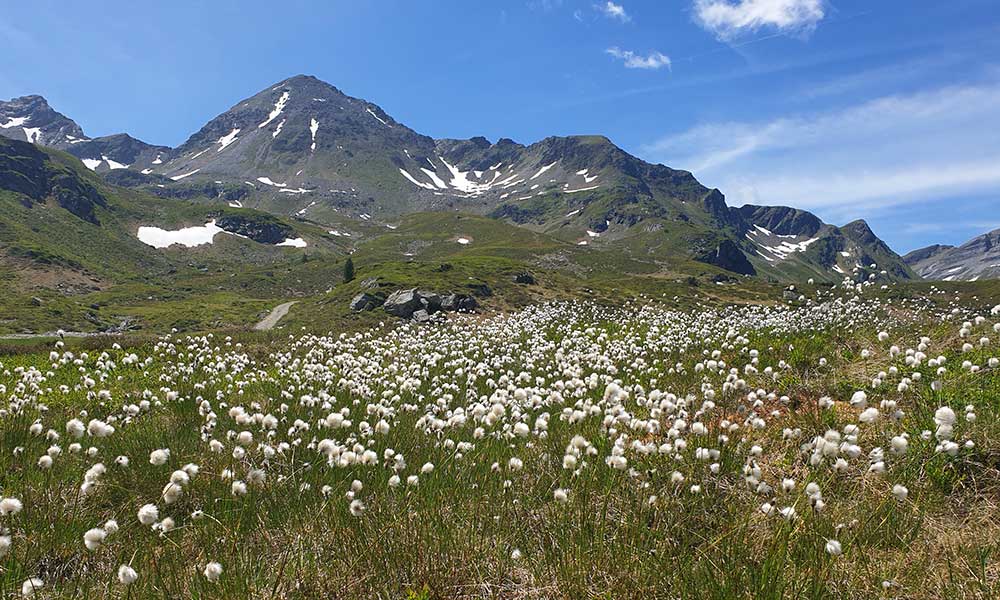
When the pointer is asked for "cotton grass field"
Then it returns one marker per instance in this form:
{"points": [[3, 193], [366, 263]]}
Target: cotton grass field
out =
{"points": [[839, 446]]}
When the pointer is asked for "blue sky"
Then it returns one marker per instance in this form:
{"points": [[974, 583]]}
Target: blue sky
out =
{"points": [[883, 110]]}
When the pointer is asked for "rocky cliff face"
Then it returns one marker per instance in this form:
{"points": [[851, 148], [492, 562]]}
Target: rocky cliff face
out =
{"points": [[979, 258]]}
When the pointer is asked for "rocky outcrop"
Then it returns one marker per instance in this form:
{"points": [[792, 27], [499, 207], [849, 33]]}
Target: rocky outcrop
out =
{"points": [[26, 170], [419, 305], [459, 302], [524, 278], [727, 255], [258, 229]]}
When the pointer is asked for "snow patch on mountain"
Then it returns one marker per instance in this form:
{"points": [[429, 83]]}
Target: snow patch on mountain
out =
{"points": [[179, 177], [227, 139], [278, 107], [32, 133], [189, 237], [267, 181], [113, 164], [380, 119], [15, 122], [542, 170]]}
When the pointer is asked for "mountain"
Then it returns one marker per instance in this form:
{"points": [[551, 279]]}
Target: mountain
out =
{"points": [[979, 258], [795, 242], [78, 252], [31, 119], [304, 149]]}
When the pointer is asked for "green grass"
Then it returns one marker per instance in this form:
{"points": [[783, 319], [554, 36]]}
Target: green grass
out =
{"points": [[455, 534]]}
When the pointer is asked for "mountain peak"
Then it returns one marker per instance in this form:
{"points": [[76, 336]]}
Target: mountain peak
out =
{"points": [[978, 258], [31, 119]]}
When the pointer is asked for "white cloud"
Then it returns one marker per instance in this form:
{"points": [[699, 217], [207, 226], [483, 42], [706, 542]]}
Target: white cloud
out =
{"points": [[653, 60], [727, 19], [887, 152], [614, 11]]}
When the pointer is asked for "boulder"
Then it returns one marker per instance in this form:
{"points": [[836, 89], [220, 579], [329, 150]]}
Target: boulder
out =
{"points": [[365, 301], [462, 302], [421, 316], [525, 278], [430, 301], [403, 303]]}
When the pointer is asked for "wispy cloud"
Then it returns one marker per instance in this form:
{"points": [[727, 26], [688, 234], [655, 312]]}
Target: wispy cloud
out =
{"points": [[727, 19], [631, 60], [891, 151], [614, 11], [544, 5]]}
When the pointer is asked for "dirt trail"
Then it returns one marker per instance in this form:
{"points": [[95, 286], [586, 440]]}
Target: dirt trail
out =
{"points": [[272, 319]]}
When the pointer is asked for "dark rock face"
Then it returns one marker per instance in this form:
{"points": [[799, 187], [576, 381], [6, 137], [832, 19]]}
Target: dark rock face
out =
{"points": [[782, 220], [23, 169], [365, 301], [258, 230], [524, 278], [714, 204], [727, 255]]}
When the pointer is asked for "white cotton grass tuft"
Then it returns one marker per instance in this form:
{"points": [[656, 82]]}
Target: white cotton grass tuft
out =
{"points": [[213, 571], [127, 575], [10, 506], [93, 538], [900, 492], [833, 548], [357, 508], [30, 586], [159, 457], [148, 514]]}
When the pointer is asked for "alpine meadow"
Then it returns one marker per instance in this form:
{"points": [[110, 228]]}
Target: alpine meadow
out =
{"points": [[308, 351]]}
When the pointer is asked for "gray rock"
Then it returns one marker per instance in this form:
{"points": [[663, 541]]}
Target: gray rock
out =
{"points": [[430, 301], [421, 316], [459, 302], [365, 301], [403, 303]]}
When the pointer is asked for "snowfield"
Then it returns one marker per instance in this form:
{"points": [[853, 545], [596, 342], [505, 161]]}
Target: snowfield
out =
{"points": [[189, 237]]}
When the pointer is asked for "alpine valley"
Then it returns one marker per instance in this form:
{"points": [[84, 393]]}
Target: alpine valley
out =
{"points": [[266, 201]]}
